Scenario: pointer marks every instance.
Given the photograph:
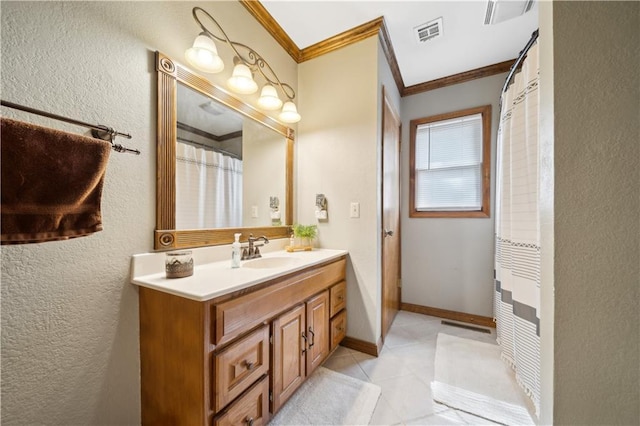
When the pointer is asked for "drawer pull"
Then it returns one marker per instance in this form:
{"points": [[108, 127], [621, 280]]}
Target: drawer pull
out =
{"points": [[249, 421], [249, 365], [313, 337], [340, 297]]}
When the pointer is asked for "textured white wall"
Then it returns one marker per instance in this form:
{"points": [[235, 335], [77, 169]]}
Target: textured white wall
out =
{"points": [[448, 263], [596, 85], [337, 155], [69, 314]]}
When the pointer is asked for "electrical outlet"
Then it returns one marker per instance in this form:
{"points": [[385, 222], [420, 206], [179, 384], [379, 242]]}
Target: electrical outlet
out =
{"points": [[354, 211]]}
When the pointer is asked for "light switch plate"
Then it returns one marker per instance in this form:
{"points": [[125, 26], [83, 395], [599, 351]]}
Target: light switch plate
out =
{"points": [[354, 211], [254, 211]]}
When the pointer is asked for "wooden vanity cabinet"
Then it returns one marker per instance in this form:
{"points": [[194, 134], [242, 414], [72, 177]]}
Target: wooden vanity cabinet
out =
{"points": [[237, 358]]}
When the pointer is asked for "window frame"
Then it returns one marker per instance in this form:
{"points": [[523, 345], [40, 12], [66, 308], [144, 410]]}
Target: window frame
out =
{"points": [[484, 211]]}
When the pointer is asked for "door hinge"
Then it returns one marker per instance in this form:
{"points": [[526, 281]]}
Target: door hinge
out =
{"points": [[271, 396], [399, 282]]}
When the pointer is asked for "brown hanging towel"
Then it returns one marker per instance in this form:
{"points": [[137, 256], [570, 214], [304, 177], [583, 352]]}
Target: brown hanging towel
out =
{"points": [[51, 183]]}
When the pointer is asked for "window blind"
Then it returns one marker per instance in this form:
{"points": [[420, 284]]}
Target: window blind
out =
{"points": [[448, 165]]}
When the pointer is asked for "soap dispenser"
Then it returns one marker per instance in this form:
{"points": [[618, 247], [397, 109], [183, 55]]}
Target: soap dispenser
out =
{"points": [[235, 252]]}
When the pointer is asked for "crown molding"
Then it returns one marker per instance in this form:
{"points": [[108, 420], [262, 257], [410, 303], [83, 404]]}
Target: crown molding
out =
{"points": [[343, 39], [459, 78], [258, 11], [389, 53], [356, 34]]}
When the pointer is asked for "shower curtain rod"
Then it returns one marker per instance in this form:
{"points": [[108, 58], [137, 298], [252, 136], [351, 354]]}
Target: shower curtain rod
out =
{"points": [[516, 65], [97, 131], [221, 151]]}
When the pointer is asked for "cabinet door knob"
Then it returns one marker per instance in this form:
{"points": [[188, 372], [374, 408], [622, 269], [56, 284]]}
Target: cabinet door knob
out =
{"points": [[249, 421], [249, 365], [388, 233]]}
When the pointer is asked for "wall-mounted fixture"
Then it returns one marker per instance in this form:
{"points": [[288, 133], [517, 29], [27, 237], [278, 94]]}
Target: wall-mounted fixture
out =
{"points": [[274, 205], [203, 55], [321, 207]]}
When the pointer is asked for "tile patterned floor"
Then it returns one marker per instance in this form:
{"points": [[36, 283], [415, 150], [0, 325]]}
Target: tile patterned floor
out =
{"points": [[404, 371]]}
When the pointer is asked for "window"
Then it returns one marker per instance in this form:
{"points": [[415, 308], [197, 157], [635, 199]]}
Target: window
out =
{"points": [[450, 164]]}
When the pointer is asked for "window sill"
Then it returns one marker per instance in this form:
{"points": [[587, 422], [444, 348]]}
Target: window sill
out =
{"points": [[450, 214]]}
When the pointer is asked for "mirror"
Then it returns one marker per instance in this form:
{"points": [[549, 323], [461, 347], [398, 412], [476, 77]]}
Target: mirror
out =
{"points": [[222, 166]]}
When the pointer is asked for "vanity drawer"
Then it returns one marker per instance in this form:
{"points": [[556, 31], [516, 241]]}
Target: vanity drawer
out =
{"points": [[338, 329], [238, 366], [235, 316], [338, 298], [252, 409]]}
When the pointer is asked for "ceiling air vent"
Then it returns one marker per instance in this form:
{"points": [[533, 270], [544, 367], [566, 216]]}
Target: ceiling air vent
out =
{"points": [[428, 31]]}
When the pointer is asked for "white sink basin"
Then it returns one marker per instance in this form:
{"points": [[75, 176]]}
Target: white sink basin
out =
{"points": [[271, 262]]}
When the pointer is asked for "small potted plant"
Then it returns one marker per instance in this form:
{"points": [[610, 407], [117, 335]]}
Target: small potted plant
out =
{"points": [[305, 234]]}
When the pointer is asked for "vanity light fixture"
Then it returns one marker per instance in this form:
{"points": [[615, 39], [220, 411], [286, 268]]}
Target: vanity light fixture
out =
{"points": [[203, 55], [269, 99]]}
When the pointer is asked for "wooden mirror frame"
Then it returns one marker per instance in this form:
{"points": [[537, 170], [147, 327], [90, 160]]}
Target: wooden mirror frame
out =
{"points": [[166, 236]]}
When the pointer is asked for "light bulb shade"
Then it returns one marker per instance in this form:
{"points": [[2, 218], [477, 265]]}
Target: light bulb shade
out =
{"points": [[241, 80], [203, 55], [289, 113], [269, 99]]}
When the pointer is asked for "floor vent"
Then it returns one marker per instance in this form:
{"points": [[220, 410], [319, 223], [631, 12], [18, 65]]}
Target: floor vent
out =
{"points": [[428, 31], [468, 327]]}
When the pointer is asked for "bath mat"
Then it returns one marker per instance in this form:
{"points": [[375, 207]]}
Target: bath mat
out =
{"points": [[470, 376], [329, 398]]}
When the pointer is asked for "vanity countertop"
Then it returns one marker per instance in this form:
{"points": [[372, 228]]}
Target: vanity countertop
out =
{"points": [[215, 279]]}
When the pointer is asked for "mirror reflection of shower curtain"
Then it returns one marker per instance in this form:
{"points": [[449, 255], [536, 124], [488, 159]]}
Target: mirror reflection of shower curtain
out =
{"points": [[208, 189], [517, 266]]}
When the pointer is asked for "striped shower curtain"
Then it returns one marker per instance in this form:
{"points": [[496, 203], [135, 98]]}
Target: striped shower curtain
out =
{"points": [[517, 266]]}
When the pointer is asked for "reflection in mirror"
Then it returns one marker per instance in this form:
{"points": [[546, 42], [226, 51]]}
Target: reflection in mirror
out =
{"points": [[223, 166], [228, 167]]}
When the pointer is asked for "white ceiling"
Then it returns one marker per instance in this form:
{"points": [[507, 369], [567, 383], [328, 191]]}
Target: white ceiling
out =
{"points": [[466, 42]]}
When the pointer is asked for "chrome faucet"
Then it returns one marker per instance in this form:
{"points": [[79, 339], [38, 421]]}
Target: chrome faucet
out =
{"points": [[252, 251]]}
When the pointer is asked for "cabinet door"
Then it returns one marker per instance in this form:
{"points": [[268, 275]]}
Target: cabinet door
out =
{"points": [[289, 348], [317, 330]]}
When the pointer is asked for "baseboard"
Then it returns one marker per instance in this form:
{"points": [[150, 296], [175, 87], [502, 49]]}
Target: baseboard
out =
{"points": [[362, 345], [452, 315]]}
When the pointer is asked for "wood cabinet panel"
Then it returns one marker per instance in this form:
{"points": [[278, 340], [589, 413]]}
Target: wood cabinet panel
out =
{"points": [[338, 329], [173, 360], [317, 330], [234, 316], [239, 365], [252, 409], [338, 298], [289, 348]]}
